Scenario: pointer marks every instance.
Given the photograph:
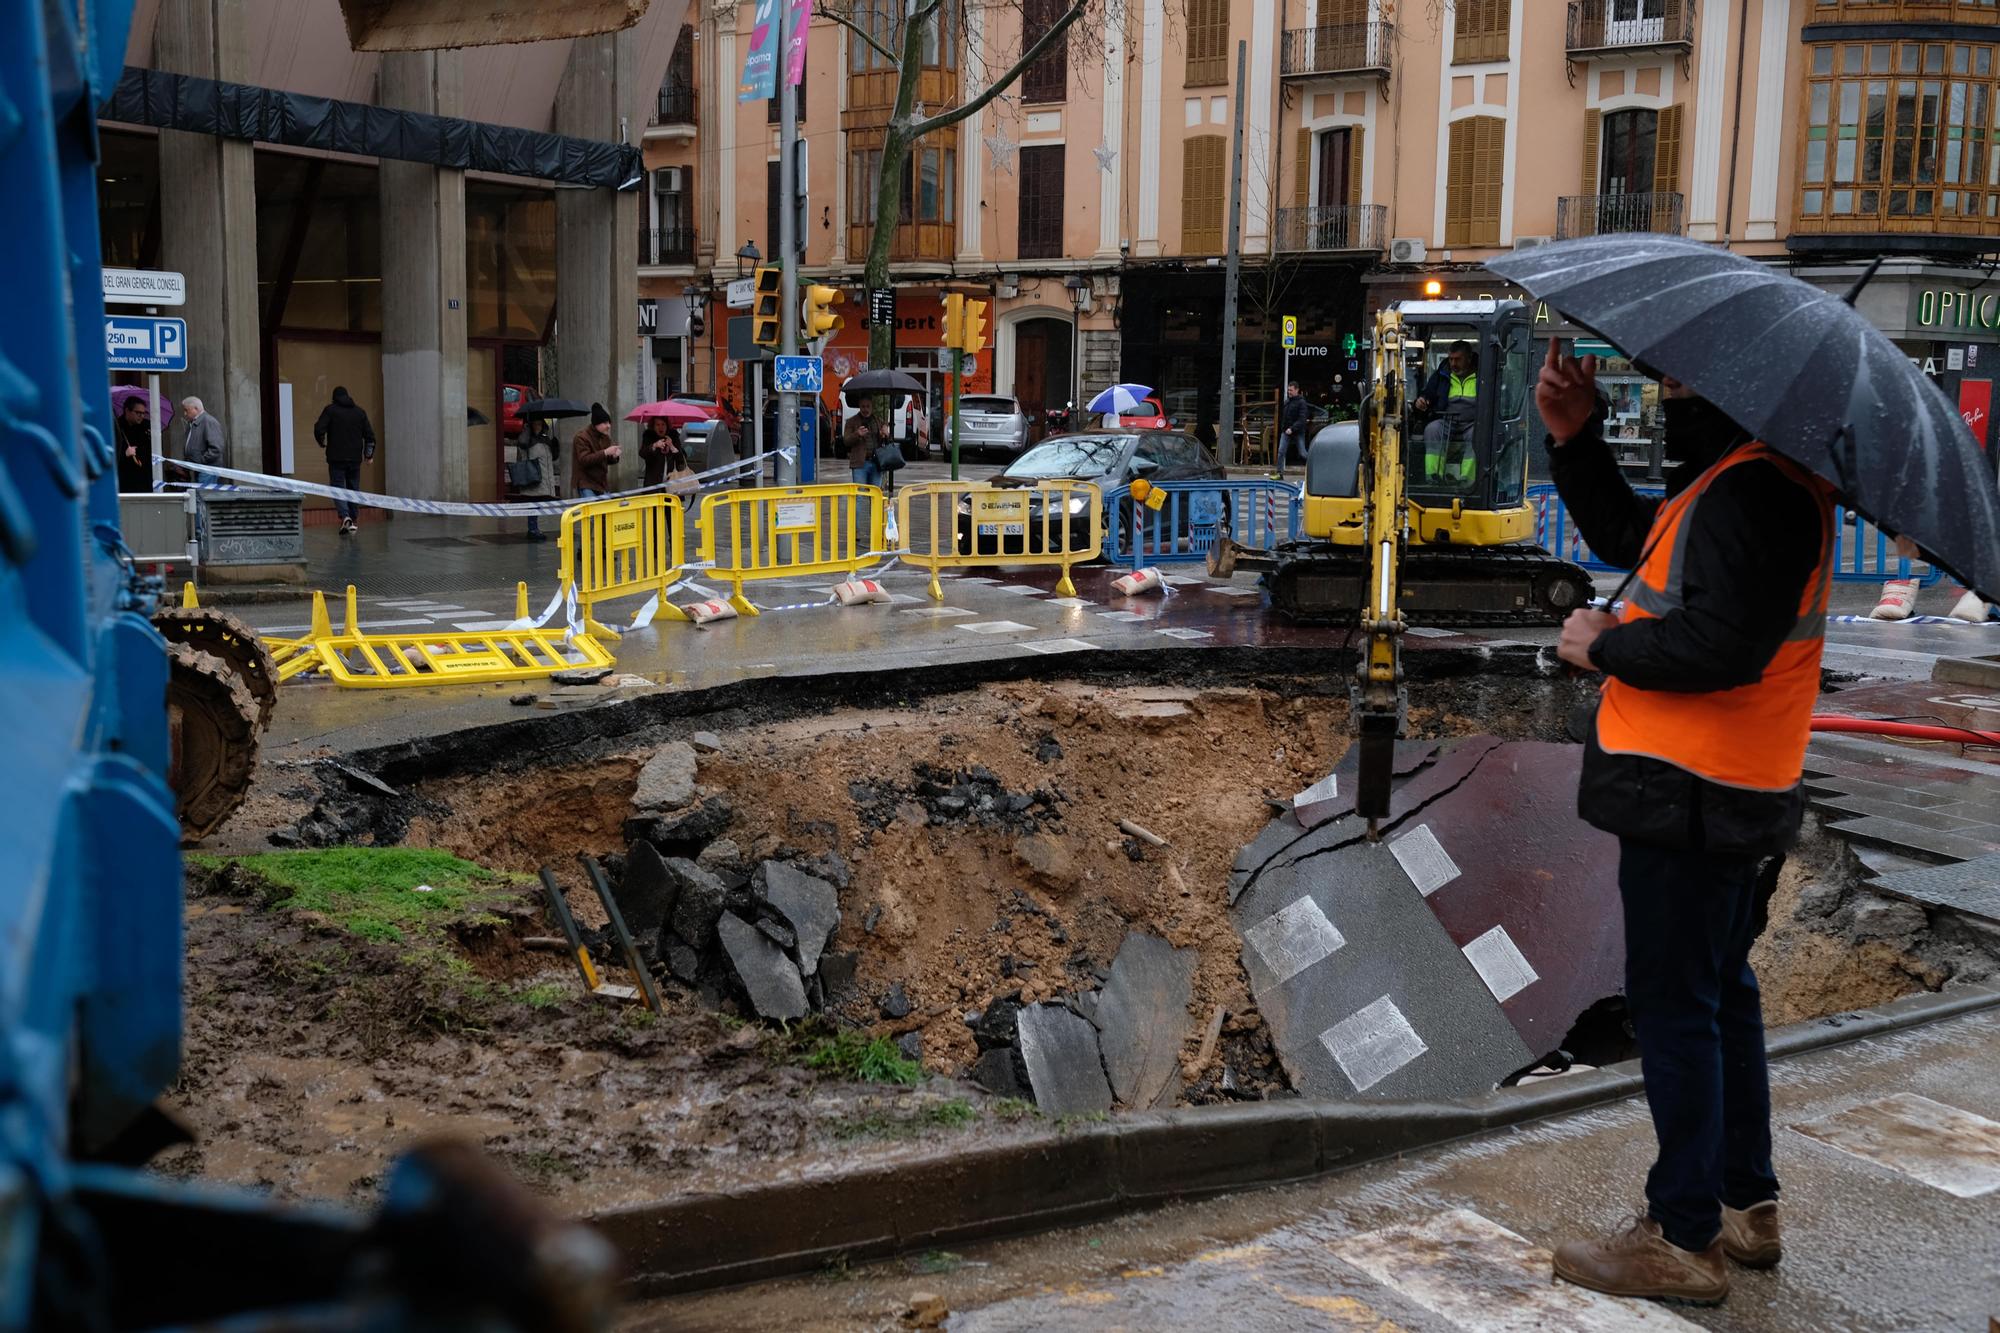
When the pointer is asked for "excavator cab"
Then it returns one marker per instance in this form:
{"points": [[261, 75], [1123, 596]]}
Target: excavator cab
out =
{"points": [[1468, 558]]}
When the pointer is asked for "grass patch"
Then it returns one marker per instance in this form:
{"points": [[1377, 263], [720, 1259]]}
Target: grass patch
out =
{"points": [[371, 892], [543, 995], [940, 1261], [866, 1059], [1013, 1108], [952, 1114]]}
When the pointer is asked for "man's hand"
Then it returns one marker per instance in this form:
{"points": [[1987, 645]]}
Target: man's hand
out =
{"points": [[131, 453], [1566, 395], [1423, 404], [1579, 632]]}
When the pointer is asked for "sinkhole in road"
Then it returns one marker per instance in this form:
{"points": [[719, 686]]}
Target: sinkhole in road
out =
{"points": [[992, 848]]}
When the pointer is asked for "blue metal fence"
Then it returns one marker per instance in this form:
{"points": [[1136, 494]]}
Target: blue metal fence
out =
{"points": [[1256, 513], [1862, 552]]}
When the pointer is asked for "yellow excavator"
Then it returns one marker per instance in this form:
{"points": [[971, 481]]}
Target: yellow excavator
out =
{"points": [[1447, 416]]}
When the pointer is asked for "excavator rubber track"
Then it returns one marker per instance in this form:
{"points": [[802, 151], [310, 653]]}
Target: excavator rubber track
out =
{"points": [[1490, 587], [225, 638], [213, 722]]}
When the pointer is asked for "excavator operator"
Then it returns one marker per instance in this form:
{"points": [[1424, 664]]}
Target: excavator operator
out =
{"points": [[1451, 395]]}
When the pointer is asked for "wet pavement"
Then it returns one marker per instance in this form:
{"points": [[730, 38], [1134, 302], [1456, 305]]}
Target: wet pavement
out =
{"points": [[1887, 1156]]}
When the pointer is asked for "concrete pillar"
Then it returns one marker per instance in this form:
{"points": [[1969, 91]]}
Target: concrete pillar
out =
{"points": [[597, 245], [208, 230], [422, 422]]}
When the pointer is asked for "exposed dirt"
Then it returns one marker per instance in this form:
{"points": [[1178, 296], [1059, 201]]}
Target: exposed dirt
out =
{"points": [[975, 839]]}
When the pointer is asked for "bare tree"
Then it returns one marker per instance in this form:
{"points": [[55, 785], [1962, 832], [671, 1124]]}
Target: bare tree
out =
{"points": [[908, 123]]}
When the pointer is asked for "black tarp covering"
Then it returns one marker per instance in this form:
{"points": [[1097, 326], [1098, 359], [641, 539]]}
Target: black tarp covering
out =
{"points": [[265, 115]]}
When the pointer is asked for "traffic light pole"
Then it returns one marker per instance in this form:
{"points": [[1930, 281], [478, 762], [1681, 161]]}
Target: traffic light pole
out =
{"points": [[957, 366], [788, 242]]}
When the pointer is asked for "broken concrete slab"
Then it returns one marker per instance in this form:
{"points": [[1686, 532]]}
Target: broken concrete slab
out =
{"points": [[1972, 887], [837, 972], [770, 978], [706, 742], [667, 780], [778, 933], [648, 891], [1319, 802], [683, 963], [684, 831], [1896, 834], [698, 902], [1001, 1073], [810, 905], [1142, 1017], [1065, 1067]]}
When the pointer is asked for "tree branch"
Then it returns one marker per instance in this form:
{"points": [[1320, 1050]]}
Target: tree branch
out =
{"points": [[997, 86], [895, 61]]}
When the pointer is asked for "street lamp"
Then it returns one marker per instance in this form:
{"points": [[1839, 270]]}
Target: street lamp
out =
{"points": [[748, 255], [691, 295], [1079, 292]]}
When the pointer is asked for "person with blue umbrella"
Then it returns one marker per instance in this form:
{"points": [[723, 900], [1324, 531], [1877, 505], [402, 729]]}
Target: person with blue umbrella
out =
{"points": [[1120, 400]]}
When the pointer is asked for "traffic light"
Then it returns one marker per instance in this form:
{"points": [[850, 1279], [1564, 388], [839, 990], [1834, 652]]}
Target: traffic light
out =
{"points": [[764, 314], [819, 321], [972, 327], [954, 318]]}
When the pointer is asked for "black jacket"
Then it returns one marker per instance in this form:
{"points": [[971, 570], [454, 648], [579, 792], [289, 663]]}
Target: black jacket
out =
{"points": [[1752, 545], [343, 429], [1297, 416]]}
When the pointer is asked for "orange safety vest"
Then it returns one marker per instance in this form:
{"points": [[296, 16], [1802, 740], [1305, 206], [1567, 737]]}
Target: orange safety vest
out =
{"points": [[1753, 736]]}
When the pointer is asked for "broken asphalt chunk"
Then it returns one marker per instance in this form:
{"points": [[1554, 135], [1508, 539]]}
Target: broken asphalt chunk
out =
{"points": [[667, 780], [647, 892], [896, 1004], [809, 904], [698, 903], [1065, 1069], [769, 977], [1142, 1017]]}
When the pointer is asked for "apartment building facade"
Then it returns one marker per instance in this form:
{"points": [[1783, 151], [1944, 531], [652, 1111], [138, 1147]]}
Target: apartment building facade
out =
{"points": [[1387, 143]]}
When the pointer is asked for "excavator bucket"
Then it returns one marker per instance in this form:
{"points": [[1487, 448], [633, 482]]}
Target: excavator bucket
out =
{"points": [[428, 25]]}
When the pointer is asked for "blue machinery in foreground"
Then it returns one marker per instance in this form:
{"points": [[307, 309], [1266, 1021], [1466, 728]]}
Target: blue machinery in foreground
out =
{"points": [[90, 867]]}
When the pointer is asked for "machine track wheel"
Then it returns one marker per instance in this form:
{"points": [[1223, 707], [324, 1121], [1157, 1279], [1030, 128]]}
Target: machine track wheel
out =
{"points": [[213, 721], [228, 640]]}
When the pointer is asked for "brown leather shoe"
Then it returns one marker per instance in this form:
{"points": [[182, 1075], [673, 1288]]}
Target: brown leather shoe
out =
{"points": [[1639, 1261], [1750, 1236]]}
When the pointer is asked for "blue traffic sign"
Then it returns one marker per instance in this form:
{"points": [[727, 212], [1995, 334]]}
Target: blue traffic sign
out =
{"points": [[141, 342], [798, 374]]}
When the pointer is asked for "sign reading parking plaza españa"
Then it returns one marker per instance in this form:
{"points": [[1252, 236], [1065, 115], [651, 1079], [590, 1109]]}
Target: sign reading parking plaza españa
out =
{"points": [[142, 342], [797, 374], [144, 286]]}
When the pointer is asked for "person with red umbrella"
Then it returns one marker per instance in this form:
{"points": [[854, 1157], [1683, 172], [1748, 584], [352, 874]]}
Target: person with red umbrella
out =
{"points": [[660, 449]]}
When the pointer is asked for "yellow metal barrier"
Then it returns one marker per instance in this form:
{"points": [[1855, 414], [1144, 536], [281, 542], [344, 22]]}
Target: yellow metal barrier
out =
{"points": [[779, 533], [620, 548], [963, 523], [431, 657]]}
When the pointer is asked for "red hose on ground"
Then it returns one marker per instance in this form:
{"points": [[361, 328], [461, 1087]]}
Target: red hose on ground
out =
{"points": [[1914, 731]]}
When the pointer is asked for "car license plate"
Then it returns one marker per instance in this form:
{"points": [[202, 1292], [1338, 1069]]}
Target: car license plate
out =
{"points": [[1000, 529]]}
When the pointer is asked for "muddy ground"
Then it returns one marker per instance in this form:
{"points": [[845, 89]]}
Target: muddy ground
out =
{"points": [[313, 1054]]}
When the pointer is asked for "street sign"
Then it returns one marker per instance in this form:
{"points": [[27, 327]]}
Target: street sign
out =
{"points": [[741, 294], [141, 342], [797, 374], [144, 286], [882, 305], [1291, 336]]}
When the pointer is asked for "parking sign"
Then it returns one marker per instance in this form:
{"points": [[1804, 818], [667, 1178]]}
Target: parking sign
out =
{"points": [[1291, 338], [143, 342]]}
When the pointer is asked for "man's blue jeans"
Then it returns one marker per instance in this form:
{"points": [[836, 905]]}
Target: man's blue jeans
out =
{"points": [[1690, 918], [347, 476]]}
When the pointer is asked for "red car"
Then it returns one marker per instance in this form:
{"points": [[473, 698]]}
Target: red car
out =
{"points": [[512, 398], [1150, 416]]}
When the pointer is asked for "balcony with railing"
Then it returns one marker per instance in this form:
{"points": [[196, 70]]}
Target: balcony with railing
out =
{"points": [[1338, 48], [673, 109], [1600, 27], [1607, 214], [1333, 229], [666, 247]]}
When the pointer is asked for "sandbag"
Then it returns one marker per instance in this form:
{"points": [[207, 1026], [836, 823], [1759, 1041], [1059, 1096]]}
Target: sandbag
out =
{"points": [[703, 612], [860, 592], [1138, 581]]}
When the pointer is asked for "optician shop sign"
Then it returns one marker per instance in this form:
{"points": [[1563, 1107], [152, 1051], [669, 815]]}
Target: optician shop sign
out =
{"points": [[1955, 309]]}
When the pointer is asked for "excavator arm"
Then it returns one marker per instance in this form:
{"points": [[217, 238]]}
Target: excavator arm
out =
{"points": [[1378, 695]]}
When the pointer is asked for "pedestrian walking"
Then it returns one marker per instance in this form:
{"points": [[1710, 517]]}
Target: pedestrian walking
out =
{"points": [[864, 436], [135, 445], [202, 442], [1694, 762], [592, 453], [1298, 417], [344, 432], [533, 472]]}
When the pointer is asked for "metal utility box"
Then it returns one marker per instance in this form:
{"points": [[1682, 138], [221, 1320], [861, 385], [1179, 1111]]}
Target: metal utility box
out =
{"points": [[158, 528], [250, 528]]}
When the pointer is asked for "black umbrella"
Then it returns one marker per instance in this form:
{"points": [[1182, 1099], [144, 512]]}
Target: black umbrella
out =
{"points": [[880, 381], [554, 407], [1797, 366]]}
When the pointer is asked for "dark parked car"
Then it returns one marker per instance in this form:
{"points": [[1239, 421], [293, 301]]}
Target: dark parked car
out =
{"points": [[1109, 458]]}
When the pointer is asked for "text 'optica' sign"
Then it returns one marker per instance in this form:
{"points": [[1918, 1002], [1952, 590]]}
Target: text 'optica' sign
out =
{"points": [[141, 342]]}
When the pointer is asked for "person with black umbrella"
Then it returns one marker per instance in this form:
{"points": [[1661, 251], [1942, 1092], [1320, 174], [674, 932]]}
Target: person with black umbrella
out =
{"points": [[1694, 762]]}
